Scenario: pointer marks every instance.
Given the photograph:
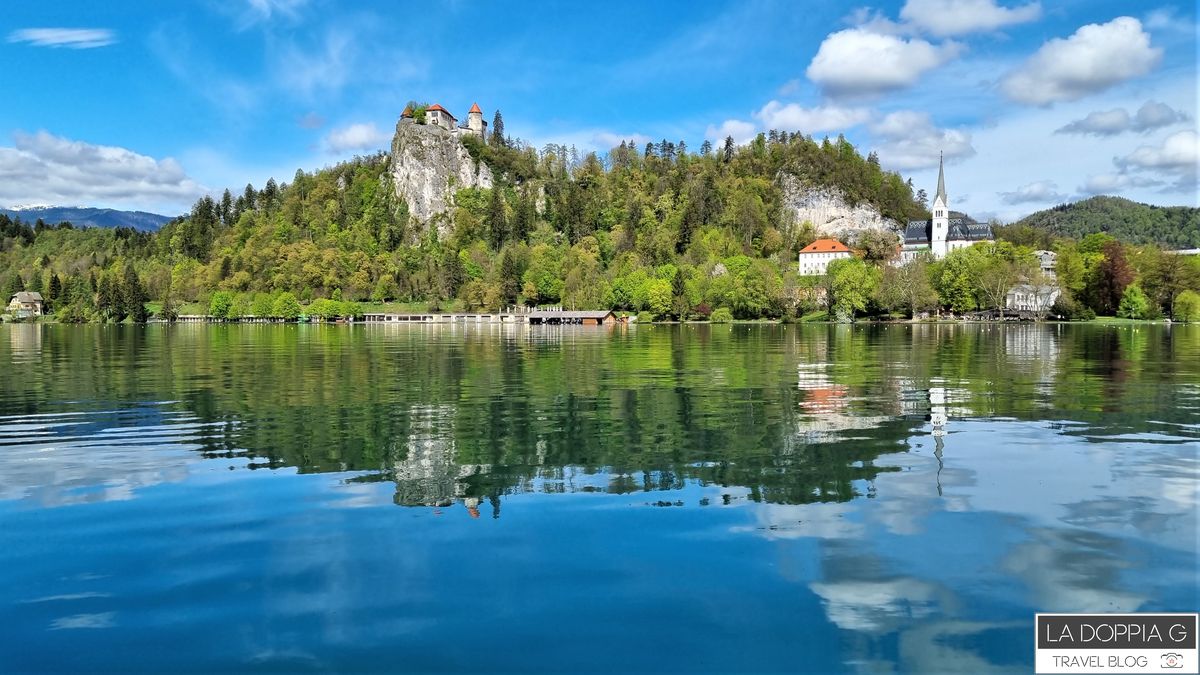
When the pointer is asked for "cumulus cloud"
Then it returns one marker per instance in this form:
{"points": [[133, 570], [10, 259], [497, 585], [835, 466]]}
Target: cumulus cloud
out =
{"points": [[46, 169], [1094, 58], [364, 136], [1099, 123], [1109, 183], [945, 18], [859, 62], [1038, 192], [1152, 115], [73, 38], [741, 131], [793, 117], [1179, 153], [909, 140]]}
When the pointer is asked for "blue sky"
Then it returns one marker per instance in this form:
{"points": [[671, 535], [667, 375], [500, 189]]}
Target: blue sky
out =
{"points": [[148, 105]]}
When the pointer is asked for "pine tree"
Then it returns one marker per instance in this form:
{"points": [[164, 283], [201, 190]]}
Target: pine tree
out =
{"points": [[133, 296], [728, 152], [510, 278], [523, 218], [497, 222], [54, 293], [498, 129], [706, 148], [227, 207]]}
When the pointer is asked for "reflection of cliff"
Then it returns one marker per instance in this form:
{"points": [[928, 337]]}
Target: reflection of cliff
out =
{"points": [[429, 474]]}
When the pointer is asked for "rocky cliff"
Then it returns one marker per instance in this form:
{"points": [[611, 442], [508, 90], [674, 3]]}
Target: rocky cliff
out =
{"points": [[826, 208], [430, 164]]}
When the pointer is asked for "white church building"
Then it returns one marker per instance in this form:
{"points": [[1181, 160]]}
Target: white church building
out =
{"points": [[946, 231]]}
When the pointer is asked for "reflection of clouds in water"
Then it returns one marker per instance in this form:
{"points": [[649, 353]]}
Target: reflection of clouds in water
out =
{"points": [[877, 605], [1074, 571], [930, 648], [97, 620], [75, 459], [824, 520]]}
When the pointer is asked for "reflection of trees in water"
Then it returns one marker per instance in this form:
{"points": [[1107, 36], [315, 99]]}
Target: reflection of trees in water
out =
{"points": [[797, 414]]}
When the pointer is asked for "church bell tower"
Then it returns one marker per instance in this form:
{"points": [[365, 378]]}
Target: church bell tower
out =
{"points": [[941, 216]]}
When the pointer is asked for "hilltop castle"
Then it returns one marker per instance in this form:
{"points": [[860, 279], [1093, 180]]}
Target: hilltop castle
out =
{"points": [[436, 115], [946, 231]]}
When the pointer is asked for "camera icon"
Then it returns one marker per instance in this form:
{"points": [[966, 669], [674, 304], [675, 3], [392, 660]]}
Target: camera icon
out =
{"points": [[1172, 660]]}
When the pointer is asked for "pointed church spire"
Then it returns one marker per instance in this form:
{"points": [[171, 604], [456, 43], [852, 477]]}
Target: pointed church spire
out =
{"points": [[941, 191]]}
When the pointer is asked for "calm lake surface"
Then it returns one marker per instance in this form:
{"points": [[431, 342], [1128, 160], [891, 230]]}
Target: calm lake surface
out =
{"points": [[729, 498]]}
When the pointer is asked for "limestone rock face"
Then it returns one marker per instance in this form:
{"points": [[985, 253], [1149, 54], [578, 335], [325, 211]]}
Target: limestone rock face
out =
{"points": [[826, 208], [430, 164]]}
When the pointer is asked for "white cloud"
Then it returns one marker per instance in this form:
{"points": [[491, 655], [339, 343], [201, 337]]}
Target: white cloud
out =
{"points": [[607, 140], [1039, 192], [73, 38], [1152, 115], [793, 117], [945, 18], [1094, 58], [1099, 123], [1111, 183], [364, 136], [1179, 154], [741, 131], [48, 169], [859, 62], [909, 140]]}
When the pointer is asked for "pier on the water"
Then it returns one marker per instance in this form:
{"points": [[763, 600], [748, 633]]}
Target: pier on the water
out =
{"points": [[552, 317]]}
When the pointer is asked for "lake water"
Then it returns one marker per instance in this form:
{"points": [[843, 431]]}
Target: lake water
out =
{"points": [[647, 499]]}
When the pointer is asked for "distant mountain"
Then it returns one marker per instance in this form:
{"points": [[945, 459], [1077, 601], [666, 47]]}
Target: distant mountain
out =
{"points": [[1173, 227], [89, 217]]}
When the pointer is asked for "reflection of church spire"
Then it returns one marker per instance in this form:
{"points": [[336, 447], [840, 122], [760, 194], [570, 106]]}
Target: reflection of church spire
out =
{"points": [[937, 452]]}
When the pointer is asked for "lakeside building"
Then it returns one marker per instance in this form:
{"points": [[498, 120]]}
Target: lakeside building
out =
{"points": [[1047, 260], [815, 258], [1032, 297], [26, 304], [438, 116], [946, 231]]}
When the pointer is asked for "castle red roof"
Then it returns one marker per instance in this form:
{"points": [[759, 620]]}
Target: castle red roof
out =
{"points": [[825, 246], [475, 109], [437, 106]]}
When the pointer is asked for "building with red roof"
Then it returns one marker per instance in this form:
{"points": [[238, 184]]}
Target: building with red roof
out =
{"points": [[815, 258]]}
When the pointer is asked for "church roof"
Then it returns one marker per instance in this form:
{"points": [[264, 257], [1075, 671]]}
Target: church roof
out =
{"points": [[475, 109], [941, 190], [962, 228], [825, 246]]}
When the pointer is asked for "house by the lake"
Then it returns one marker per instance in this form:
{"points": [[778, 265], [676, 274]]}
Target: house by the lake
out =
{"points": [[815, 258], [25, 304]]}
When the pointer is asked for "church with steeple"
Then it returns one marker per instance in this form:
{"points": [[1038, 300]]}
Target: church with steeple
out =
{"points": [[946, 231]]}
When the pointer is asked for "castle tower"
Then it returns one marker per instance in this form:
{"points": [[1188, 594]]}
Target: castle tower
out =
{"points": [[941, 216], [475, 121]]}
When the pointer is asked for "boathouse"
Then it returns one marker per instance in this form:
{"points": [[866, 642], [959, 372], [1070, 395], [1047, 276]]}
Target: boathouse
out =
{"points": [[584, 318]]}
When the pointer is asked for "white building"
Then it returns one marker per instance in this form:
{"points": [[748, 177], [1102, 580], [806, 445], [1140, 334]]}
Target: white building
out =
{"points": [[946, 231], [1046, 262], [815, 258], [1031, 298]]}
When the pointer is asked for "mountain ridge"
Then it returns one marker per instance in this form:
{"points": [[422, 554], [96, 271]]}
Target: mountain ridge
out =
{"points": [[89, 216], [1132, 222]]}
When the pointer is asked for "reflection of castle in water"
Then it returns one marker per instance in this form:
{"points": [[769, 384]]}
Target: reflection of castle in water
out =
{"points": [[429, 475]]}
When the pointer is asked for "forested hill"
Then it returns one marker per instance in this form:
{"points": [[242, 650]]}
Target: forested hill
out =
{"points": [[1176, 227], [89, 217], [637, 228]]}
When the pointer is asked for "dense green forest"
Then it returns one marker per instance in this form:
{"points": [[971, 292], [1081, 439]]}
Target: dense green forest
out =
{"points": [[1175, 227], [659, 230]]}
